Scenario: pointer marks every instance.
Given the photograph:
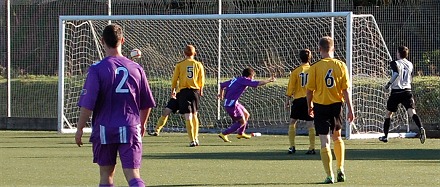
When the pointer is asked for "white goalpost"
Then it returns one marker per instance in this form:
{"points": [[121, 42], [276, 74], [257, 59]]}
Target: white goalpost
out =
{"points": [[227, 43]]}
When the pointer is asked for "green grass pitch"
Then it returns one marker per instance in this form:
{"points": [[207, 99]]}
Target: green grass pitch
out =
{"points": [[50, 159]]}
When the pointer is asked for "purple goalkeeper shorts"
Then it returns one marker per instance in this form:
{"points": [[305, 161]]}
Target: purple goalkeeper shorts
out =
{"points": [[129, 153], [236, 112]]}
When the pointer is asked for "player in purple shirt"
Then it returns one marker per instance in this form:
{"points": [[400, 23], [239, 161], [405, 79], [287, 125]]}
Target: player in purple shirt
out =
{"points": [[116, 90], [234, 88]]}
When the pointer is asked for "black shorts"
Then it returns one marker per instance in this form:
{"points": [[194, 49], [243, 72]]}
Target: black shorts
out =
{"points": [[328, 118], [173, 105], [397, 97], [188, 100], [299, 110]]}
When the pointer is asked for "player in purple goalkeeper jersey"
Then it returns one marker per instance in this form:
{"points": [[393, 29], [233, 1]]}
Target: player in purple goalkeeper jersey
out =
{"points": [[116, 90], [231, 91]]}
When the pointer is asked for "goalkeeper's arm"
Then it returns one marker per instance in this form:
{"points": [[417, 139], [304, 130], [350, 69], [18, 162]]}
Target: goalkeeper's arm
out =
{"points": [[394, 75]]}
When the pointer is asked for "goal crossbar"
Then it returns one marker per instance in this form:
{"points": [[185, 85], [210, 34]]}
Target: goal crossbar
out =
{"points": [[207, 16]]}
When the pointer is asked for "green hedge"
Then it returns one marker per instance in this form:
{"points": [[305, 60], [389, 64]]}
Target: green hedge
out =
{"points": [[36, 96], [426, 90]]}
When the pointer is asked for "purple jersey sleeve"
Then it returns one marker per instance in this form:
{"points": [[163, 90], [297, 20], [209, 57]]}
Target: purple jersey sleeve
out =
{"points": [[235, 88], [89, 93], [147, 100], [225, 84], [249, 82]]}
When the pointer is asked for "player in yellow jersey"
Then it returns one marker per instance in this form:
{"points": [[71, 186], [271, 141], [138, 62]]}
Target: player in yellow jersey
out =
{"points": [[171, 107], [326, 92], [296, 88], [189, 76]]}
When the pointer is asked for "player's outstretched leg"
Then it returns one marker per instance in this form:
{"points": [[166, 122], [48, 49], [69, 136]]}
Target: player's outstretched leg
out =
{"points": [[243, 124], [161, 122], [416, 119], [224, 135], [422, 135], [241, 133], [241, 130], [386, 128]]}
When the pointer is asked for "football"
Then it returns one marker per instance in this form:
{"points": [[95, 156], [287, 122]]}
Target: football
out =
{"points": [[135, 53]]}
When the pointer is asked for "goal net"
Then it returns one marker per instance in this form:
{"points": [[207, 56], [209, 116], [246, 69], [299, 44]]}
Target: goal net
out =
{"points": [[226, 44]]}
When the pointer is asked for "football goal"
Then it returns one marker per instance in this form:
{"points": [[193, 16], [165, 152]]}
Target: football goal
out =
{"points": [[226, 44]]}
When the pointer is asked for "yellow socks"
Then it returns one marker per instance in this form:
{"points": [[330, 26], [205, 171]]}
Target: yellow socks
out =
{"points": [[339, 150], [312, 135], [326, 157], [162, 121], [189, 129], [195, 122], [292, 134]]}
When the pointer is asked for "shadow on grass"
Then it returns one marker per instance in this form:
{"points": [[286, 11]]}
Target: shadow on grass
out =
{"points": [[245, 155], [393, 154], [351, 154], [29, 147], [237, 184], [41, 137]]}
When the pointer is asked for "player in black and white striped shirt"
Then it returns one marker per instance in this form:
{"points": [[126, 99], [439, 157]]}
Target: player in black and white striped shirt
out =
{"points": [[400, 84]]}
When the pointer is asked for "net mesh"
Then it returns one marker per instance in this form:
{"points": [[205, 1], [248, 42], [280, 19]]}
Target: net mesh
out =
{"points": [[270, 46], [369, 73]]}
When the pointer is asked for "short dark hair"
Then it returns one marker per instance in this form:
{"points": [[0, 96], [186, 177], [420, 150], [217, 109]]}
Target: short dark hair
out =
{"points": [[247, 72], [326, 43], [403, 51], [112, 35], [305, 55]]}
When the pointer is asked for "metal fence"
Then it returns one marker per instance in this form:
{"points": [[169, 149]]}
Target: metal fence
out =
{"points": [[34, 35]]}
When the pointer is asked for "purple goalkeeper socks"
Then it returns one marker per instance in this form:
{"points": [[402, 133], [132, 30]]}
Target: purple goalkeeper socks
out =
{"points": [[138, 182], [232, 128], [106, 185], [241, 130]]}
